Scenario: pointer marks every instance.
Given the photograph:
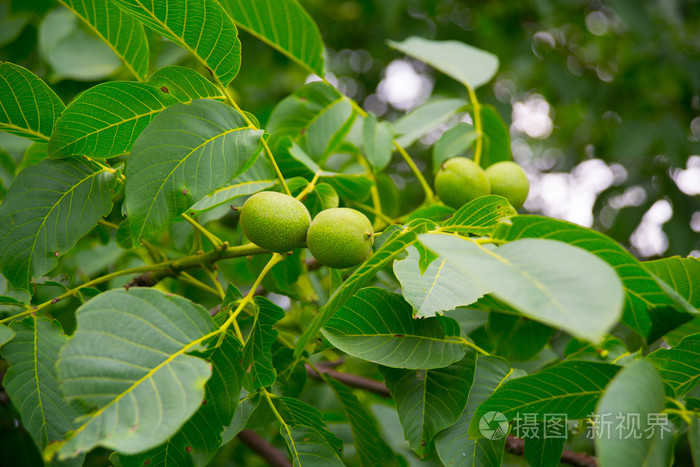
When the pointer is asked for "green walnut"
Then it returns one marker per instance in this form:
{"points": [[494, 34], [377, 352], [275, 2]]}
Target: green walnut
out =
{"points": [[508, 179], [275, 221], [340, 237], [459, 181]]}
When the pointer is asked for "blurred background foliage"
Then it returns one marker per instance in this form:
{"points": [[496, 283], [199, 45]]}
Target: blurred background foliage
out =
{"points": [[602, 97]]}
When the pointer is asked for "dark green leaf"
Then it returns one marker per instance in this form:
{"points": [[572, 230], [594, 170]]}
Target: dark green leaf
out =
{"points": [[429, 401], [128, 352], [680, 365], [295, 412], [257, 353], [682, 274], [28, 107], [6, 333], [185, 153], [49, 206], [453, 143], [517, 338], [378, 326], [570, 388], [308, 447], [497, 138], [543, 449]]}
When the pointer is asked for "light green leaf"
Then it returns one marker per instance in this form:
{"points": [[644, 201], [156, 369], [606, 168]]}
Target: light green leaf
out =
{"points": [[534, 277], [48, 207], [682, 274], [327, 129], [371, 448], [201, 436], [32, 383], [634, 393], [425, 118], [257, 353], [6, 333], [497, 138], [454, 446], [680, 365], [308, 448], [437, 289], [378, 326], [28, 107], [284, 25], [124, 35], [349, 187], [128, 360], [202, 27], [378, 142], [470, 66], [186, 152], [386, 249], [480, 216], [641, 289], [105, 120], [453, 143], [571, 388], [429, 401], [321, 198]]}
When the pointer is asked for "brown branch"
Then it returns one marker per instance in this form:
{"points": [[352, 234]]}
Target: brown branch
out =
{"points": [[257, 443], [513, 445]]}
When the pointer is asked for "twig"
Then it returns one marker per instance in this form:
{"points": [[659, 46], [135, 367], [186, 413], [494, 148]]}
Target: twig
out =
{"points": [[257, 443]]}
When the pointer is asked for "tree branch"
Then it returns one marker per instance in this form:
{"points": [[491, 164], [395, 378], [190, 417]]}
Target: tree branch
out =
{"points": [[513, 445], [257, 443]]}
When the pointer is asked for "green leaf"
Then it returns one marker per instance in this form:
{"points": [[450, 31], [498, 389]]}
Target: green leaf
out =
{"points": [[542, 449], [682, 274], [349, 187], [641, 289], [283, 25], [453, 143], [517, 338], [105, 120], [534, 277], [454, 445], [425, 118], [308, 447], [391, 247], [497, 138], [201, 436], [439, 288], [371, 448], [694, 439], [327, 129], [32, 383], [378, 326], [128, 360], [636, 391], [33, 155], [186, 152], [48, 207], [202, 27], [429, 401], [28, 107], [296, 412], [321, 198], [6, 333], [378, 142], [480, 216], [571, 388], [257, 353], [470, 66], [120, 31], [680, 365], [244, 411]]}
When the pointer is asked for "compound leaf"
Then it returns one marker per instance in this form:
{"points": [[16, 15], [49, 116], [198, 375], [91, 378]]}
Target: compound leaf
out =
{"points": [[257, 353]]}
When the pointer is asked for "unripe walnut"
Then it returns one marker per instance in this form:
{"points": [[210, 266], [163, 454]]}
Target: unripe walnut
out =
{"points": [[340, 237], [459, 181], [275, 221]]}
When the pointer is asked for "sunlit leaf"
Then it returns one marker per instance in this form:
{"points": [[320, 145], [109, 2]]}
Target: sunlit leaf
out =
{"points": [[480, 216], [682, 274], [48, 207], [28, 107], [284, 25], [424, 119], [202, 27]]}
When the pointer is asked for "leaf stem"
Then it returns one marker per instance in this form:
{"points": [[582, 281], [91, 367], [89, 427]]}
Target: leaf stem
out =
{"points": [[215, 280], [477, 124], [308, 188], [215, 241], [109, 224], [472, 345], [187, 277], [267, 149]]}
